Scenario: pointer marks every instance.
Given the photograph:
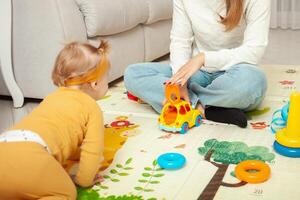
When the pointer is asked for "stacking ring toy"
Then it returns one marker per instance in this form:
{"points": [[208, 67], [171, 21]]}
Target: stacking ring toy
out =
{"points": [[171, 161], [243, 174], [286, 151], [284, 112], [280, 122]]}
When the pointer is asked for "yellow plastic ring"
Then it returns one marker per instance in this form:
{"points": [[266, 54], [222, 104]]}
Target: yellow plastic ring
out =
{"points": [[242, 171]]}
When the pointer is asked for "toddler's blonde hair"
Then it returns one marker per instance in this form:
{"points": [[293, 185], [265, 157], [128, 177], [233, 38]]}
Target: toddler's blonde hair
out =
{"points": [[76, 59]]}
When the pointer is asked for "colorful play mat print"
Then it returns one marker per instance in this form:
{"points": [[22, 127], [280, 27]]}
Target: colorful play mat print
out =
{"points": [[133, 142]]}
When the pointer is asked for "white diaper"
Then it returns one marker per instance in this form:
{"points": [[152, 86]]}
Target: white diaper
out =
{"points": [[23, 136]]}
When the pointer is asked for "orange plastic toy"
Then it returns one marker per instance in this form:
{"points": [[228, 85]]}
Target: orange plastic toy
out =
{"points": [[243, 174], [177, 115]]}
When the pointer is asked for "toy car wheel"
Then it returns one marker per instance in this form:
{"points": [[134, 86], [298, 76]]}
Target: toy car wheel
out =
{"points": [[198, 120], [184, 128]]}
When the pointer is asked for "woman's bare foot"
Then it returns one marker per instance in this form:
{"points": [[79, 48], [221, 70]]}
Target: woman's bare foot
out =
{"points": [[201, 109]]}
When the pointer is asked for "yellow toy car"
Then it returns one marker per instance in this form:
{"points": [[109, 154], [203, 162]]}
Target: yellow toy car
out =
{"points": [[177, 115]]}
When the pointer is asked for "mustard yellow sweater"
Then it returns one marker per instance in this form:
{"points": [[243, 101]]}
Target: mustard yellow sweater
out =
{"points": [[71, 124]]}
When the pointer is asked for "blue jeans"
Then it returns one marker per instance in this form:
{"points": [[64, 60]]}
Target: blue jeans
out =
{"points": [[243, 86]]}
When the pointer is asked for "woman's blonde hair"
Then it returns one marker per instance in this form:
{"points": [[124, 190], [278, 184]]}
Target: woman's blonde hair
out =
{"points": [[76, 59], [234, 14]]}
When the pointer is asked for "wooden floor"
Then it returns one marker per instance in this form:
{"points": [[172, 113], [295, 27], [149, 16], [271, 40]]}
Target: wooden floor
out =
{"points": [[283, 49], [10, 115]]}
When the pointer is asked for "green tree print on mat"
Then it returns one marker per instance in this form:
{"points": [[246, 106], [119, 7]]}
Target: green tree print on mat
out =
{"points": [[149, 177], [223, 153], [119, 171], [90, 194], [93, 193]]}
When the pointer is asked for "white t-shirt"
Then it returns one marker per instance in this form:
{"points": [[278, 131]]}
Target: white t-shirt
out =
{"points": [[197, 28]]}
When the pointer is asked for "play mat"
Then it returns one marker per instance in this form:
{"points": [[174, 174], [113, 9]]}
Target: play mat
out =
{"points": [[134, 141]]}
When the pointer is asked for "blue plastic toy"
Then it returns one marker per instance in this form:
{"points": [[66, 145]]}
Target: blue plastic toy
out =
{"points": [[171, 161], [285, 111], [288, 139], [286, 151], [279, 122]]}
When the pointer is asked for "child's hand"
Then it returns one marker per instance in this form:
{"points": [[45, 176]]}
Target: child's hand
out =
{"points": [[98, 179], [73, 177]]}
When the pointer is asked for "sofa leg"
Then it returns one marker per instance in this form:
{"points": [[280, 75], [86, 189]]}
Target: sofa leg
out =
{"points": [[6, 53]]}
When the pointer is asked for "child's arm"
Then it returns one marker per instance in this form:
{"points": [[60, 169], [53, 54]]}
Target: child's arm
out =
{"points": [[91, 150]]}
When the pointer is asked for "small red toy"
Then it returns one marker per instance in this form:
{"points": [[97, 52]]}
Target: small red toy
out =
{"points": [[134, 98]]}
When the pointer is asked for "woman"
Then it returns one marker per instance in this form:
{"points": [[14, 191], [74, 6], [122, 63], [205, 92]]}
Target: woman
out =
{"points": [[215, 47]]}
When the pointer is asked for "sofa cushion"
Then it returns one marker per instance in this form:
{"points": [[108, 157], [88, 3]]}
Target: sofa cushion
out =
{"points": [[107, 17], [159, 10]]}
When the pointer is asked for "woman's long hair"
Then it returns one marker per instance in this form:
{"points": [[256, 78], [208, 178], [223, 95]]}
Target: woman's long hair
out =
{"points": [[234, 14]]}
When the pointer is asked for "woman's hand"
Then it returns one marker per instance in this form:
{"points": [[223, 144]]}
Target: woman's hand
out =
{"points": [[184, 94], [183, 91], [187, 70]]}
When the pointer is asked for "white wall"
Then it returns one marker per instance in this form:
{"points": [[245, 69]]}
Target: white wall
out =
{"points": [[283, 48]]}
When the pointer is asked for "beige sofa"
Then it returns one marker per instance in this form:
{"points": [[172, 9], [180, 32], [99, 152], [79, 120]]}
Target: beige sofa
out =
{"points": [[137, 30]]}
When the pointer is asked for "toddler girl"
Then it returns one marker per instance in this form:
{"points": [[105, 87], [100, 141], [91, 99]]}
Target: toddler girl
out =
{"points": [[66, 126]]}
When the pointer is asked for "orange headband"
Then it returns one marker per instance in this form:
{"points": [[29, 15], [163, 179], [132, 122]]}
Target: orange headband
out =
{"points": [[92, 75]]}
